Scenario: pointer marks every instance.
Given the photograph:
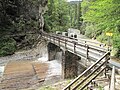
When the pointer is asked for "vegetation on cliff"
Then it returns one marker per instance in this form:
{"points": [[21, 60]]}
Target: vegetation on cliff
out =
{"points": [[18, 17]]}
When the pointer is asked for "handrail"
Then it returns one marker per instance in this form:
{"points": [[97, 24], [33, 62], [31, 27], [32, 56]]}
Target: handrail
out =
{"points": [[99, 63], [85, 42], [68, 44], [88, 69], [92, 78], [90, 74], [79, 39], [77, 43], [112, 83]]}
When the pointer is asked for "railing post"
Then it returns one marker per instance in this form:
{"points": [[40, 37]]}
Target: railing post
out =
{"points": [[54, 39], [112, 83], [59, 41], [69, 88], [50, 37], [47, 37], [41, 33], [106, 58], [74, 47], [65, 43], [87, 51]]}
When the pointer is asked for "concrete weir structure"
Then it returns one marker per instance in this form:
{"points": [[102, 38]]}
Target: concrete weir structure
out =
{"points": [[69, 60]]}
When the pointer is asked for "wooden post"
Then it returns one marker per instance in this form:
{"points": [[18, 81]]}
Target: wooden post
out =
{"points": [[54, 39], [47, 37], [50, 38], [65, 43], [112, 84], [107, 58], [87, 50], [74, 47], [59, 41], [41, 33]]}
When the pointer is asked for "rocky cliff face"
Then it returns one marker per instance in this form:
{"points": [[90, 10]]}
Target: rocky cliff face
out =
{"points": [[20, 23]]}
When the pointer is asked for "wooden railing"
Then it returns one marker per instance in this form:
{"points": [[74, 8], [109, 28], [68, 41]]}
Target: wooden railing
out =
{"points": [[90, 74], [93, 71], [112, 83], [64, 38], [81, 49]]}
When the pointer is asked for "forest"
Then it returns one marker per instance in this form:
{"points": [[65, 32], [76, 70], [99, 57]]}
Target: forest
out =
{"points": [[101, 17], [94, 18]]}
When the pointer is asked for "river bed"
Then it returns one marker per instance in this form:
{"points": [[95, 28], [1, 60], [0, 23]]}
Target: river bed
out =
{"points": [[53, 73]]}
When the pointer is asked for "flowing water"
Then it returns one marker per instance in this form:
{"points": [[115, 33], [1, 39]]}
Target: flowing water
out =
{"points": [[40, 55], [54, 71], [55, 66], [1, 70]]}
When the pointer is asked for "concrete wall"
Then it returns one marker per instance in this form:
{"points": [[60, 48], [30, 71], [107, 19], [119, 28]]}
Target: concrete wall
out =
{"points": [[52, 50], [70, 66]]}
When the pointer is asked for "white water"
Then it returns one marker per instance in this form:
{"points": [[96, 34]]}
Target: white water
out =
{"points": [[1, 70], [54, 66], [43, 58]]}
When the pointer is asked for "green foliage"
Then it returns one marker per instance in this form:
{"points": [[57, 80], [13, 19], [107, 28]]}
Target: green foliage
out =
{"points": [[7, 46], [56, 18], [16, 17], [104, 15], [91, 31], [102, 38], [116, 40], [24, 25], [75, 15], [100, 88], [62, 15], [47, 88]]}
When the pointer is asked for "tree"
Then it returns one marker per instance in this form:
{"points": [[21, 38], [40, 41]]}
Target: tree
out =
{"points": [[75, 12], [18, 16], [104, 15], [57, 16]]}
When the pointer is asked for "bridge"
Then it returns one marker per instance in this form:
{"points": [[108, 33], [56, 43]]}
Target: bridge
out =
{"points": [[75, 53]]}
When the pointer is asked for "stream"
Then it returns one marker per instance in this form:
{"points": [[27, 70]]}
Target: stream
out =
{"points": [[1, 70], [54, 72]]}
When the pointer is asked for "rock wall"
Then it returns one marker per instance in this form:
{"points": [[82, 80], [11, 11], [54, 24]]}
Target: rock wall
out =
{"points": [[20, 23], [31, 33]]}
